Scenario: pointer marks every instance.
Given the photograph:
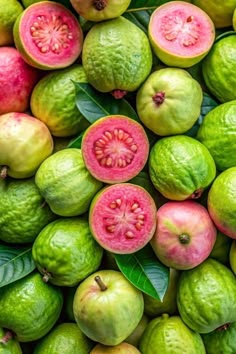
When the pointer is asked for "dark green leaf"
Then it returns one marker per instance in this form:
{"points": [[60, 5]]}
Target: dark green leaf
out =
{"points": [[94, 105], [145, 4], [76, 143], [144, 271], [139, 18], [15, 263]]}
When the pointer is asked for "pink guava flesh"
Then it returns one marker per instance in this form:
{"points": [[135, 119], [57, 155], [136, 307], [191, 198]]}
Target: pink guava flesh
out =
{"points": [[185, 234], [115, 149], [123, 218], [50, 34], [17, 80], [182, 29]]}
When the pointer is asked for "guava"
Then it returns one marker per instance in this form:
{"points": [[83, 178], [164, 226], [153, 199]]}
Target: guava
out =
{"points": [[169, 334], [48, 35], [8, 344], [234, 20], [8, 15], [206, 296], [180, 167], [221, 12], [115, 149], [217, 132], [221, 202], [53, 101], [154, 307], [185, 234], [122, 348], [64, 338], [100, 10], [66, 184], [23, 213], [29, 307], [65, 251], [169, 101], [222, 340], [17, 80], [107, 307], [122, 218], [221, 249], [137, 333], [25, 143], [219, 67], [116, 56], [232, 256], [180, 33]]}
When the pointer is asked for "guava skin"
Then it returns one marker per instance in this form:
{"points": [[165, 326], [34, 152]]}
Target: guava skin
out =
{"points": [[8, 344], [122, 348], [25, 143], [222, 340], [185, 234], [17, 80], [107, 307], [8, 16]]}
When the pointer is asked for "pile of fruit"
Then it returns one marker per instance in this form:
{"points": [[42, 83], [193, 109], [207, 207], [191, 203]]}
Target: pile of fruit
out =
{"points": [[117, 177]]}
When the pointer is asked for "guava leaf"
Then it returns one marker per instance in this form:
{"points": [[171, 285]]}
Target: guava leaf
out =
{"points": [[145, 4], [94, 105], [76, 143], [15, 263], [139, 18], [144, 271]]}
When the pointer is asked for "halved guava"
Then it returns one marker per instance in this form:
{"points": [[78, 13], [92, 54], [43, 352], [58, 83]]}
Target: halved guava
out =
{"points": [[122, 218], [181, 34], [48, 35], [115, 149]]}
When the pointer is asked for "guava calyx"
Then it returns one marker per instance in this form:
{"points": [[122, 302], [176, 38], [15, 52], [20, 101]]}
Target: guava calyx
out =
{"points": [[118, 94], [224, 327], [99, 5], [159, 98], [46, 275], [184, 239], [196, 194], [100, 283], [7, 336], [3, 172]]}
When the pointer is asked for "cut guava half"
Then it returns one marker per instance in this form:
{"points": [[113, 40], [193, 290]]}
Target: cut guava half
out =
{"points": [[181, 34], [122, 218], [48, 35]]}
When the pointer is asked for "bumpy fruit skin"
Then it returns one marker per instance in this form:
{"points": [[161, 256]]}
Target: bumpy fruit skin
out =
{"points": [[181, 34], [164, 335], [25, 143], [122, 348], [53, 101], [100, 10], [23, 213], [8, 344], [219, 67], [180, 167], [29, 307], [48, 42], [223, 213], [17, 80], [64, 338], [169, 101], [222, 340], [8, 16], [66, 184], [114, 60], [217, 132], [75, 252], [115, 149], [107, 316], [206, 296]]}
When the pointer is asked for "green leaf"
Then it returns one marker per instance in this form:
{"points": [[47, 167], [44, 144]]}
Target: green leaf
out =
{"points": [[144, 271], [145, 4], [139, 18], [15, 263], [94, 105], [76, 143]]}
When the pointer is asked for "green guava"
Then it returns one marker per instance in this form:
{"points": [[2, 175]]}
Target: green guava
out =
{"points": [[234, 19], [217, 132], [169, 101], [181, 34], [48, 35], [8, 344], [137, 333], [25, 143], [222, 340], [221, 249], [8, 14], [122, 218], [65, 251], [180, 167], [223, 213], [53, 101], [23, 213], [219, 68], [107, 307], [122, 348], [116, 56], [29, 307], [115, 149], [64, 338], [167, 335], [66, 184], [100, 10], [232, 256], [206, 296]]}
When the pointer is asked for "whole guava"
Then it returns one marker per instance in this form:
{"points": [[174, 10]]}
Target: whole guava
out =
{"points": [[107, 307], [8, 14]]}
